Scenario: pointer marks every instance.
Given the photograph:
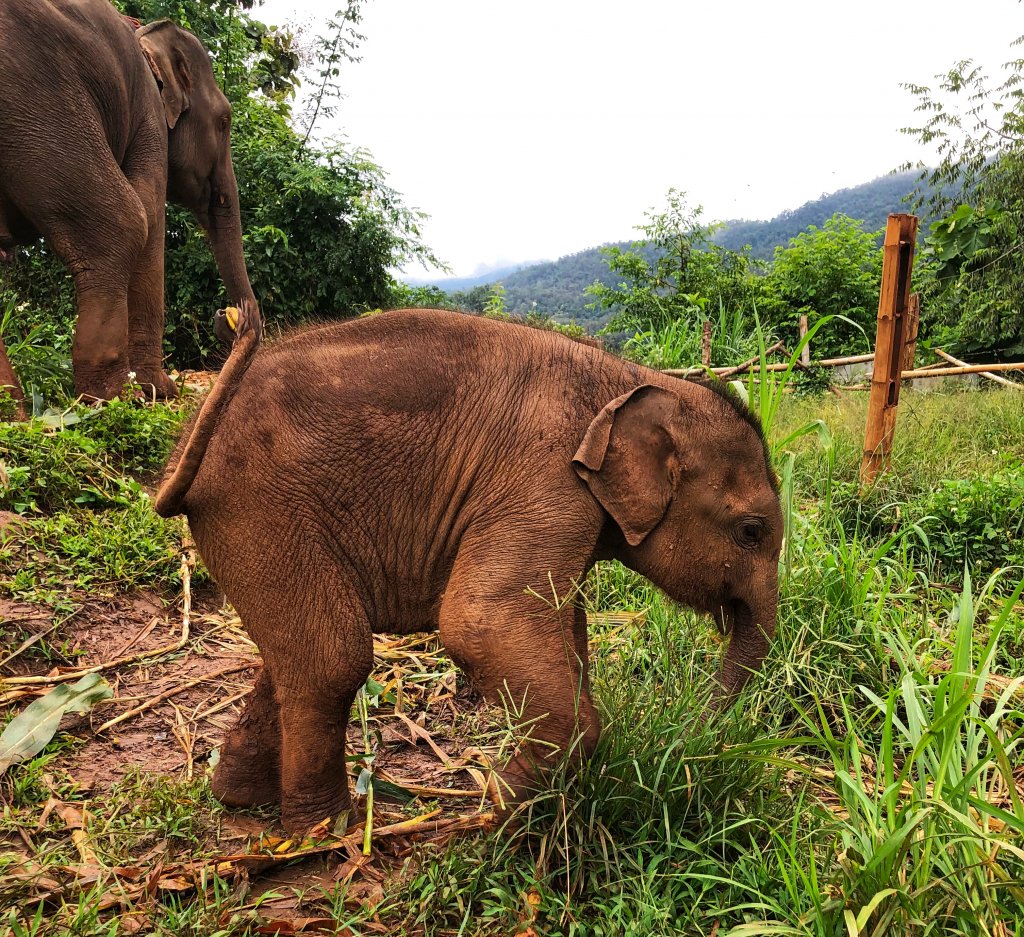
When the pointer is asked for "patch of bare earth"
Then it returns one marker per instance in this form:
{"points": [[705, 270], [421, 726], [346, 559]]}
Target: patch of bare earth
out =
{"points": [[179, 675]]}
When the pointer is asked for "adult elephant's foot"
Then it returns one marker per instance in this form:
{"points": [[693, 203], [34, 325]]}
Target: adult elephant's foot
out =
{"points": [[157, 384], [93, 385]]}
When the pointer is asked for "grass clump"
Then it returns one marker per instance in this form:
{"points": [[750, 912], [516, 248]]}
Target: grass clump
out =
{"points": [[45, 558], [76, 478]]}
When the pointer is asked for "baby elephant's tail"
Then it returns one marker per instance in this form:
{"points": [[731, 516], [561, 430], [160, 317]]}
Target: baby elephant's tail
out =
{"points": [[184, 466]]}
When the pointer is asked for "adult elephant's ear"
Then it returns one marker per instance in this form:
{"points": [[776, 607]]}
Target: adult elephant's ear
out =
{"points": [[629, 460], [166, 57]]}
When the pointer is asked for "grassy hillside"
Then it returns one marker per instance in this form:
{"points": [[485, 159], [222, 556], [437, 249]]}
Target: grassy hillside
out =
{"points": [[870, 203]]}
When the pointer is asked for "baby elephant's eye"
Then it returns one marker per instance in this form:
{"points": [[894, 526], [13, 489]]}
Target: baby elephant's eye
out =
{"points": [[750, 532]]}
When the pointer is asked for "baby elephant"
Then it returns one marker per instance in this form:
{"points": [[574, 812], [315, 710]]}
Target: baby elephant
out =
{"points": [[421, 469]]}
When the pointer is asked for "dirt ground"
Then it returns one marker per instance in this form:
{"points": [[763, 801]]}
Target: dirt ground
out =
{"points": [[179, 671]]}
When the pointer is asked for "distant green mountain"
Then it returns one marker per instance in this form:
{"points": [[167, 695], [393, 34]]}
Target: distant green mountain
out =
{"points": [[457, 284], [871, 203], [557, 287]]}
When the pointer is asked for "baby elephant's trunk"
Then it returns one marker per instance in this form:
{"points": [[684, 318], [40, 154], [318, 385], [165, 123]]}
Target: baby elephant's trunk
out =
{"points": [[753, 627]]}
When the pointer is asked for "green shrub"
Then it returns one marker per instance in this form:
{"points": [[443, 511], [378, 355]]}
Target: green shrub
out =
{"points": [[979, 520], [85, 456]]}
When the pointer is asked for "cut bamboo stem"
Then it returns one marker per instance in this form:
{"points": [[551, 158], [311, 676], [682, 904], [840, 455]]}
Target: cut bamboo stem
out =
{"points": [[174, 691], [777, 366], [988, 374], [805, 352], [964, 369]]}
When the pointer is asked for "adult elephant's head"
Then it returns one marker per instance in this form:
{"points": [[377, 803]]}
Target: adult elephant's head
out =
{"points": [[201, 176]]}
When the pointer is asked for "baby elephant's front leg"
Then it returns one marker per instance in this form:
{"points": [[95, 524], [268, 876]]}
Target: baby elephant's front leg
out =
{"points": [[533, 659]]}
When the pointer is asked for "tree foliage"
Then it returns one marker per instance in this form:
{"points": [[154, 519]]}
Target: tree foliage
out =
{"points": [[832, 270], [674, 273], [974, 291]]}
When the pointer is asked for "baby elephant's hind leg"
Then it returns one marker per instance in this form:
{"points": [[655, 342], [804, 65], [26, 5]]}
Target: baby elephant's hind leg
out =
{"points": [[319, 654], [248, 773]]}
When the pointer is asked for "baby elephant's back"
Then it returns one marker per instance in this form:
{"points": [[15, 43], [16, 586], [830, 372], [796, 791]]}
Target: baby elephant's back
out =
{"points": [[389, 404]]}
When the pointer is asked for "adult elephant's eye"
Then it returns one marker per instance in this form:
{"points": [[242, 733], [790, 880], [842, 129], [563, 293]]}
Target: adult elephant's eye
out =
{"points": [[750, 532]]}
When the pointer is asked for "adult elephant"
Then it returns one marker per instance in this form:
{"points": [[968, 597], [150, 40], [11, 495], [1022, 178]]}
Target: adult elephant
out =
{"points": [[101, 122]]}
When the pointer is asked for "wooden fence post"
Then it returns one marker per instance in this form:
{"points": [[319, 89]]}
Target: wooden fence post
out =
{"points": [[805, 352], [705, 344], [890, 344]]}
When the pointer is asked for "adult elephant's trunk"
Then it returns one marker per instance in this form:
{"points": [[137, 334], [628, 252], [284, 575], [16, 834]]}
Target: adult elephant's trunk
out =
{"points": [[224, 229], [753, 627]]}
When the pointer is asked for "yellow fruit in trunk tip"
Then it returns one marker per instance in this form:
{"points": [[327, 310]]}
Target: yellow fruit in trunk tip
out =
{"points": [[231, 313]]}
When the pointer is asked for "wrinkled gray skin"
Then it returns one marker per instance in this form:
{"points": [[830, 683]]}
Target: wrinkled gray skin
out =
{"points": [[90, 149], [429, 470]]}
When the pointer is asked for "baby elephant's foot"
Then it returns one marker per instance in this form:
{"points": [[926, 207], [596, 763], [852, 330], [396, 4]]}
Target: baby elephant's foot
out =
{"points": [[248, 773], [301, 812], [246, 783]]}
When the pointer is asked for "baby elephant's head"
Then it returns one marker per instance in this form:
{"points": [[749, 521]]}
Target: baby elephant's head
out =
{"points": [[685, 477]]}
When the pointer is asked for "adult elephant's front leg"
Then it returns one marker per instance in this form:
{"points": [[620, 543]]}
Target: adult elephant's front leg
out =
{"points": [[526, 651], [99, 352], [101, 244]]}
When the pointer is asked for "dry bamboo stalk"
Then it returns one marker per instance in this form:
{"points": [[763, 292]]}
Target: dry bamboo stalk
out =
{"points": [[174, 691], [778, 366], [805, 352], [725, 371], [846, 359], [966, 369], [988, 374]]}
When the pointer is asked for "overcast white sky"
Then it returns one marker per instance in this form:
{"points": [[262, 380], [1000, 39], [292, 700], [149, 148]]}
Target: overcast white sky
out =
{"points": [[536, 129]]}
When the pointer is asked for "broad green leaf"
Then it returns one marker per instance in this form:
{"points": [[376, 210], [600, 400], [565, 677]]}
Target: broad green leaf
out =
{"points": [[28, 733]]}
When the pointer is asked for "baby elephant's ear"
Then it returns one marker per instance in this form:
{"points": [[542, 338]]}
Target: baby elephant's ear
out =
{"points": [[629, 461]]}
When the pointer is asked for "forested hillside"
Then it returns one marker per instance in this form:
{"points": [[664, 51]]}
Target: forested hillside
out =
{"points": [[870, 203], [557, 288]]}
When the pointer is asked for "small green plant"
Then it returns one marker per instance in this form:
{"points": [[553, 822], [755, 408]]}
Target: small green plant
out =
{"points": [[87, 456], [494, 308], [37, 347]]}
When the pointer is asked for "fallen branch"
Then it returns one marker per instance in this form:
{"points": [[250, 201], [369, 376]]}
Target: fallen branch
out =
{"points": [[174, 691]]}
